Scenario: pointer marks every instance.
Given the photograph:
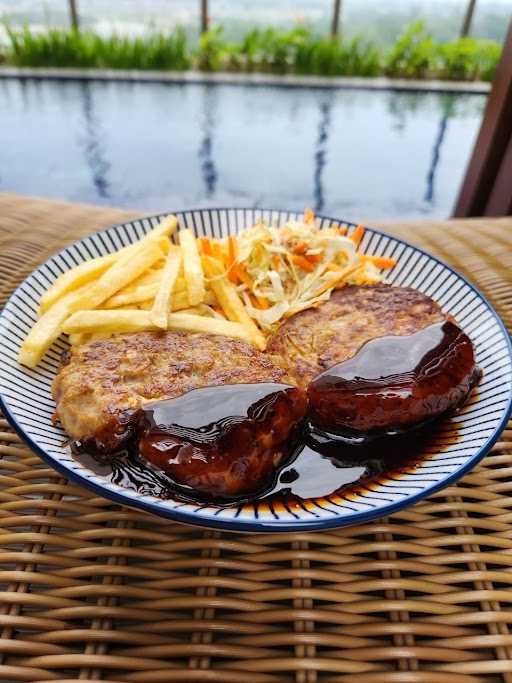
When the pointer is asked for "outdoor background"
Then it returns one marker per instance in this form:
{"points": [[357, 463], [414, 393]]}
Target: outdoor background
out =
{"points": [[354, 154], [379, 19]]}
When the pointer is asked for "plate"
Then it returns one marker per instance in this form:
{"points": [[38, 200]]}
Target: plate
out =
{"points": [[25, 395]]}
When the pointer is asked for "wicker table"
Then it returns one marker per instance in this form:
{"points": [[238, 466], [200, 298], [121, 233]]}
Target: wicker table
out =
{"points": [[94, 591]]}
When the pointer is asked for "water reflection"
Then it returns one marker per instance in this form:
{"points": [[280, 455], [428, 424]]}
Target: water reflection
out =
{"points": [[320, 154], [155, 147], [209, 116], [448, 108], [401, 106], [436, 155], [92, 143]]}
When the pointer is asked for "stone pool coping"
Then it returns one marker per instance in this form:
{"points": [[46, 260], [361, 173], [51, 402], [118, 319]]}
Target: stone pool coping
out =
{"points": [[226, 78]]}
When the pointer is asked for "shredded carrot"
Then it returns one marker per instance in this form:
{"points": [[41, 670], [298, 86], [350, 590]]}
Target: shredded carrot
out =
{"points": [[232, 249], [309, 216], [303, 263], [342, 230], [258, 301], [232, 256], [243, 276], [381, 261], [300, 247], [206, 246], [357, 235], [276, 262], [313, 258], [233, 275], [217, 252]]}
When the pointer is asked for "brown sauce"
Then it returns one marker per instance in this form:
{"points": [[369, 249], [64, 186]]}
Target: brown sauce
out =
{"points": [[196, 432], [225, 440], [317, 468], [395, 382]]}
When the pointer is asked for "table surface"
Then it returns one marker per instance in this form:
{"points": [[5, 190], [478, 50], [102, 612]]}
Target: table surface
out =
{"points": [[94, 591]]}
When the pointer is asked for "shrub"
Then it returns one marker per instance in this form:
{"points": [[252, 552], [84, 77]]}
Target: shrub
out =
{"points": [[468, 59], [57, 48], [414, 55]]}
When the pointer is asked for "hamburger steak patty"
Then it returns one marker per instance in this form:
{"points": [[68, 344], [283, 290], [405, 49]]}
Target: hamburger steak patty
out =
{"points": [[378, 396], [102, 387], [318, 338], [103, 383], [394, 383]]}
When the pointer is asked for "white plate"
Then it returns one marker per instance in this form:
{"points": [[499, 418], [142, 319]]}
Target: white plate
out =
{"points": [[25, 395]]}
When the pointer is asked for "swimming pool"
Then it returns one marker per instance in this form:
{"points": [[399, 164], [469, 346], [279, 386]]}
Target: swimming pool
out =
{"points": [[356, 154]]}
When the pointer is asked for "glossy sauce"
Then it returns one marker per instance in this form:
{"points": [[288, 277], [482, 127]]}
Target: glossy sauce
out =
{"points": [[225, 440], [256, 432], [395, 382], [316, 468]]}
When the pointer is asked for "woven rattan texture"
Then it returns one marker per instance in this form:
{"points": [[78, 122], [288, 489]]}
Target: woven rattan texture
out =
{"points": [[93, 591]]}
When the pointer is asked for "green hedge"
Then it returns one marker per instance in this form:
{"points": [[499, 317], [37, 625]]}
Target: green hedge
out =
{"points": [[414, 55]]}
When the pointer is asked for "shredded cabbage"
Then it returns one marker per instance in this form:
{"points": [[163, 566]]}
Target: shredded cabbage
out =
{"points": [[297, 266]]}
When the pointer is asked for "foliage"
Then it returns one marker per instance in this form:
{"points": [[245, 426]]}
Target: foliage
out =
{"points": [[57, 48], [414, 55], [468, 59]]}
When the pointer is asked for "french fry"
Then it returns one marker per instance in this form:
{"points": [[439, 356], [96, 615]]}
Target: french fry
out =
{"points": [[198, 310], [231, 303], [118, 276], [47, 329], [192, 267], [74, 278], [89, 270], [78, 338], [160, 309], [179, 300], [134, 295], [197, 323], [119, 321], [100, 321], [165, 228]]}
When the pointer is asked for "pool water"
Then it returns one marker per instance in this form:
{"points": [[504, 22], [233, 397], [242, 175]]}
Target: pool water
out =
{"points": [[354, 154]]}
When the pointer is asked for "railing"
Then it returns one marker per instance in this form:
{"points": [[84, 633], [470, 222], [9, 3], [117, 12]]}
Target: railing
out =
{"points": [[335, 20]]}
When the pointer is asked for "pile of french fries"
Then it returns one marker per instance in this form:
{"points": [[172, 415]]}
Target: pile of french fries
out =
{"points": [[150, 285]]}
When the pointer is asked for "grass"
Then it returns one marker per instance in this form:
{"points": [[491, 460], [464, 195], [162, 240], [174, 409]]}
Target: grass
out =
{"points": [[415, 54]]}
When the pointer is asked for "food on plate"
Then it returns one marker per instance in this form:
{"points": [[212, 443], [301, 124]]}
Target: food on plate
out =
{"points": [[211, 358], [230, 301], [163, 296], [103, 383], [119, 321], [78, 289], [225, 440], [194, 276], [316, 339], [255, 279], [395, 382]]}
